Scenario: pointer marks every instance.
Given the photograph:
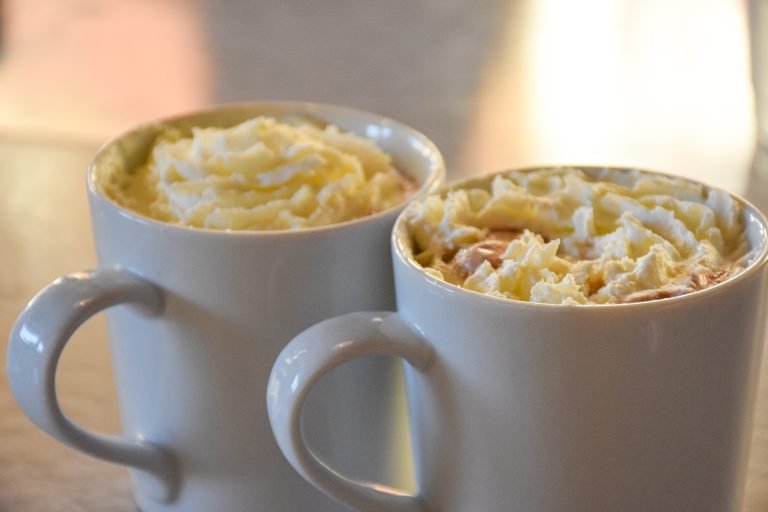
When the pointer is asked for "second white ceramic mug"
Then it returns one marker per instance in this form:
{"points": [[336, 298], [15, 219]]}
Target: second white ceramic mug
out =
{"points": [[196, 318], [547, 408]]}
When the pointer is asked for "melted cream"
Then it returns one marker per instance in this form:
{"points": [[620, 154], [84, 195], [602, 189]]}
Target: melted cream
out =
{"points": [[562, 236]]}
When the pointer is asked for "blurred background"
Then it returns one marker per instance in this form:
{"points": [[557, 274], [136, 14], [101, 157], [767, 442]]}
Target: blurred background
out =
{"points": [[496, 83], [660, 84]]}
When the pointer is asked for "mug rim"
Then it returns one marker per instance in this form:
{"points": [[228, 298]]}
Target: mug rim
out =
{"points": [[403, 254], [430, 184]]}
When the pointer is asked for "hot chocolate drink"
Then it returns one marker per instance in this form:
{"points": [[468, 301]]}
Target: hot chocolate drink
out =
{"points": [[198, 312], [572, 236], [262, 174]]}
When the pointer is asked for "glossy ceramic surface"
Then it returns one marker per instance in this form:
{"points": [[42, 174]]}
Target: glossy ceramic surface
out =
{"points": [[520, 406], [191, 375]]}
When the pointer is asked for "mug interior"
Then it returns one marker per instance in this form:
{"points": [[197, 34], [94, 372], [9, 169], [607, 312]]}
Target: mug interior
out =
{"points": [[412, 152]]}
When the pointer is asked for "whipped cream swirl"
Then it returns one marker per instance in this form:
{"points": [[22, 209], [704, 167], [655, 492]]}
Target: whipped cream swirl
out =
{"points": [[262, 174]]}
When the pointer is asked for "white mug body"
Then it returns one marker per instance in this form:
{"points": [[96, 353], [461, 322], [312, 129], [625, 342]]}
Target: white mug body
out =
{"points": [[191, 378], [544, 408]]}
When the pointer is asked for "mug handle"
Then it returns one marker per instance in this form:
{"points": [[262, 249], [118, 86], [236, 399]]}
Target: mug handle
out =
{"points": [[300, 365], [35, 346]]}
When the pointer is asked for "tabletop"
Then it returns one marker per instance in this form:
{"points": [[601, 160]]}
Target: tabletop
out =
{"points": [[496, 84]]}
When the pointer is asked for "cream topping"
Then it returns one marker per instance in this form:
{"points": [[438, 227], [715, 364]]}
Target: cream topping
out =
{"points": [[261, 175], [562, 236]]}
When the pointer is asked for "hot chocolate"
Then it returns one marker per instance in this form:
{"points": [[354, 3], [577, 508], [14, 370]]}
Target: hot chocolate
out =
{"points": [[262, 174], [572, 236]]}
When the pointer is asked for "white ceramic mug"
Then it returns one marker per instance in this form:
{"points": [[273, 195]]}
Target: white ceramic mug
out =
{"points": [[201, 315], [547, 408]]}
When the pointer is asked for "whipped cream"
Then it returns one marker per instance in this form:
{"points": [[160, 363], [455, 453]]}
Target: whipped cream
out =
{"points": [[565, 236], [261, 175]]}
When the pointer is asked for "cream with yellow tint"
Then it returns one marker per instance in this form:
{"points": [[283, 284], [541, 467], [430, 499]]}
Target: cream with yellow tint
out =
{"points": [[262, 174], [571, 236]]}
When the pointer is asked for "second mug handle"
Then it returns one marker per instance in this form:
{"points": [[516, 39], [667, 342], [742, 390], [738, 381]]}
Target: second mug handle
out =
{"points": [[300, 365]]}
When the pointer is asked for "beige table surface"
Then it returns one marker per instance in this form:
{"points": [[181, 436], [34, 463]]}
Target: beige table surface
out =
{"points": [[496, 84]]}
